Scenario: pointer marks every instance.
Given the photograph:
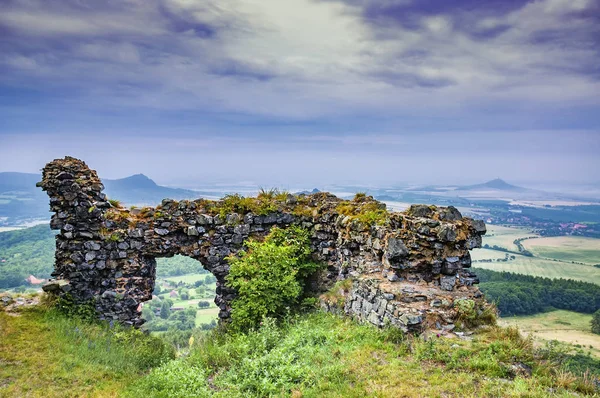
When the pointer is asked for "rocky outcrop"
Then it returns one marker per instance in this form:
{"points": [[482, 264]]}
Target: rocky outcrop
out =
{"points": [[407, 268]]}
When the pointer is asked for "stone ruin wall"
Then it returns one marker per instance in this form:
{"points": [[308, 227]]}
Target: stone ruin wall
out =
{"points": [[406, 273]]}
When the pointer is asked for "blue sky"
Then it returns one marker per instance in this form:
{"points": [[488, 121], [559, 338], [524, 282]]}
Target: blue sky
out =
{"points": [[281, 91]]}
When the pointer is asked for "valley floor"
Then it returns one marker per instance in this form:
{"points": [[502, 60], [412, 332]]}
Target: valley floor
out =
{"points": [[564, 326], [567, 257]]}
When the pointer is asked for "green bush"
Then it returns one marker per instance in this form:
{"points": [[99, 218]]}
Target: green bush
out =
{"points": [[270, 277], [272, 360], [150, 351], [465, 309]]}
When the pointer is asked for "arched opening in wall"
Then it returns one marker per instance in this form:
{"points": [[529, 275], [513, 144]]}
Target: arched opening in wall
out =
{"points": [[183, 297]]}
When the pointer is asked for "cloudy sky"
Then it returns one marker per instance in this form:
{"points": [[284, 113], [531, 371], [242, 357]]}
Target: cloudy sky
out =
{"points": [[302, 91]]}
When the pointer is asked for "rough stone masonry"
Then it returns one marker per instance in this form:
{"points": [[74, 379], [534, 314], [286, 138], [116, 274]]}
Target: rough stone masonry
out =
{"points": [[406, 271]]}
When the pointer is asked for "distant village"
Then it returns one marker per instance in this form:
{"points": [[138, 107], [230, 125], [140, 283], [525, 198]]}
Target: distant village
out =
{"points": [[544, 227]]}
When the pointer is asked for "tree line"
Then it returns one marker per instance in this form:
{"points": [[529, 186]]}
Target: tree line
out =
{"points": [[517, 294]]}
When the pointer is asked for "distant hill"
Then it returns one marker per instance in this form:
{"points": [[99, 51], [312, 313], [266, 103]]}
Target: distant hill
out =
{"points": [[24, 182], [496, 184], [315, 190], [461, 195], [139, 189], [21, 200]]}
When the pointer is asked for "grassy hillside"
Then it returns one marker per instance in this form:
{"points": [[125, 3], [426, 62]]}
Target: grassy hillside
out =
{"points": [[44, 354], [315, 355]]}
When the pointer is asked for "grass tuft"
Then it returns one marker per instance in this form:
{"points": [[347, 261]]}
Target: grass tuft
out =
{"points": [[115, 203]]}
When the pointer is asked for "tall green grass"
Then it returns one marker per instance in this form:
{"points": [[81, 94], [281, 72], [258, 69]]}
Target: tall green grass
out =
{"points": [[321, 355], [44, 353]]}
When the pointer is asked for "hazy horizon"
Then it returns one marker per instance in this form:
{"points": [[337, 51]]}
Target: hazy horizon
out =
{"points": [[304, 93]]}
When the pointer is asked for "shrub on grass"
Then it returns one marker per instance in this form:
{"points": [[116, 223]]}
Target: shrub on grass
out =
{"points": [[270, 277]]}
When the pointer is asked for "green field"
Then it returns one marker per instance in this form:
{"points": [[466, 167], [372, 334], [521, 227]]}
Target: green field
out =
{"points": [[207, 315], [45, 354], [566, 248], [189, 278], [553, 257], [535, 266], [504, 236], [565, 326], [204, 315]]}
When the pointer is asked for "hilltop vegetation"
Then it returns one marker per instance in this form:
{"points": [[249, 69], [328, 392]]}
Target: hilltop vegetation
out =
{"points": [[322, 355], [315, 355], [45, 354], [270, 277]]}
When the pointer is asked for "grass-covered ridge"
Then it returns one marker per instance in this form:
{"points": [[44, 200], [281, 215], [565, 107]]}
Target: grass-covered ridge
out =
{"points": [[45, 354], [312, 355]]}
